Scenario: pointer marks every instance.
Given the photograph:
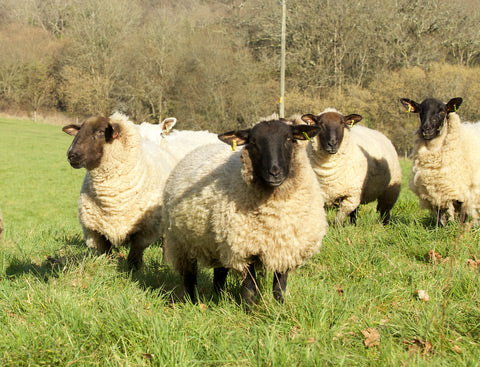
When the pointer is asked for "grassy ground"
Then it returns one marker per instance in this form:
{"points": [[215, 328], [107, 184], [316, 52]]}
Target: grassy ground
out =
{"points": [[60, 305]]}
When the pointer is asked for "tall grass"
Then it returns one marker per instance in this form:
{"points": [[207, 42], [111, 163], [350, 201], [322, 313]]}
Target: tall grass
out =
{"points": [[61, 305]]}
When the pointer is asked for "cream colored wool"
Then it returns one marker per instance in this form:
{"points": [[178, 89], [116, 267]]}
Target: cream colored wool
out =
{"points": [[215, 213], [364, 169], [123, 196], [446, 169]]}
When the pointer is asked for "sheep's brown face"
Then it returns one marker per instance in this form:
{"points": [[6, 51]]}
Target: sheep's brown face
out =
{"points": [[332, 126], [86, 150], [270, 146], [432, 113]]}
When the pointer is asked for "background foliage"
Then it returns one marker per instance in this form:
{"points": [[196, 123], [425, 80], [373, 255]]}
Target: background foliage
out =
{"points": [[214, 64]]}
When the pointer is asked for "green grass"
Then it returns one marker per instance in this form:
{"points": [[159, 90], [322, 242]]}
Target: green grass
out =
{"points": [[60, 305]]}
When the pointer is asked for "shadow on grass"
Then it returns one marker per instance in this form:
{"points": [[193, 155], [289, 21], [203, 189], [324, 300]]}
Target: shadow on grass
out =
{"points": [[51, 267]]}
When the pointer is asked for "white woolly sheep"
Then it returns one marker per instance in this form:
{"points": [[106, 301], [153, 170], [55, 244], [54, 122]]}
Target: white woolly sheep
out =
{"points": [[354, 164], [446, 160], [230, 210], [156, 132], [121, 195]]}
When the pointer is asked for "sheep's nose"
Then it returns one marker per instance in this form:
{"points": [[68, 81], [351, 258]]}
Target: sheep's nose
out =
{"points": [[332, 143], [274, 171]]}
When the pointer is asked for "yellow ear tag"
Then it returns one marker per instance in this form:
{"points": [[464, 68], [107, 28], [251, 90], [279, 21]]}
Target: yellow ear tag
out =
{"points": [[351, 124], [409, 108], [455, 107], [306, 136], [234, 145]]}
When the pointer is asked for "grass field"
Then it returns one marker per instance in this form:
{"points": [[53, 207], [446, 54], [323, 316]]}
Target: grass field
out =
{"points": [[60, 305]]}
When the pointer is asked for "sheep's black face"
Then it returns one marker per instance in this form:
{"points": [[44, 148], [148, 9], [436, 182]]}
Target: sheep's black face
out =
{"points": [[432, 113], [86, 150], [270, 145], [332, 126]]}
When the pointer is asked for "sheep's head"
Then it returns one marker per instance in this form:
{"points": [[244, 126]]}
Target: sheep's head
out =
{"points": [[269, 145], [433, 114], [86, 150], [332, 126]]}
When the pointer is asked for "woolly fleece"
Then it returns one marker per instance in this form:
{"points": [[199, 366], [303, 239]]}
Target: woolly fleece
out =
{"points": [[364, 169], [446, 168], [123, 196], [216, 214]]}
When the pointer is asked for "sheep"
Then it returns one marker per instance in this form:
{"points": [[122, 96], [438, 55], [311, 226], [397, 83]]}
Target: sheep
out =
{"points": [[261, 204], [121, 194], [156, 133], [446, 157], [354, 164]]}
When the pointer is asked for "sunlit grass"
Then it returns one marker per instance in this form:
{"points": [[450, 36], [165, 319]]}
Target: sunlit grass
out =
{"points": [[61, 305]]}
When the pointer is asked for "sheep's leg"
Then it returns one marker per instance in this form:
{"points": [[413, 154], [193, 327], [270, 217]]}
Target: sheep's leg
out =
{"points": [[347, 206], [190, 279], [354, 216], [137, 247], [97, 241], [219, 278], [279, 285], [386, 201], [249, 286]]}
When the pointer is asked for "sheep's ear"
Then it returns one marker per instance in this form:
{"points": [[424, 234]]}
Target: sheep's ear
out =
{"points": [[112, 132], [305, 132], [234, 138], [453, 104], [410, 105], [352, 119], [168, 124], [71, 129], [309, 119]]}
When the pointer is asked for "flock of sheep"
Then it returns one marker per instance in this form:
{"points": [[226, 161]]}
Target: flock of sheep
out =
{"points": [[257, 196]]}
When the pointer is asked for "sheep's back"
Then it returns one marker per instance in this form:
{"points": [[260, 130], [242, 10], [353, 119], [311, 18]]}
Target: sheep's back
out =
{"points": [[211, 214]]}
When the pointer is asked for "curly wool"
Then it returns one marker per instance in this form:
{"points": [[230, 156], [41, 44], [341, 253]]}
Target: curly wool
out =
{"points": [[364, 168], [214, 212], [123, 196], [445, 169]]}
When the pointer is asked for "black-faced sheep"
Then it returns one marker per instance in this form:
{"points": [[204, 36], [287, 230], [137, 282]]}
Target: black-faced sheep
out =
{"points": [[354, 164], [446, 160], [121, 195], [231, 210]]}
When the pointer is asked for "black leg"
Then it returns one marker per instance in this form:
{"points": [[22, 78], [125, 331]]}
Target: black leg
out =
{"points": [[249, 286], [135, 255], [279, 285], [353, 217], [105, 247], [190, 279], [219, 278]]}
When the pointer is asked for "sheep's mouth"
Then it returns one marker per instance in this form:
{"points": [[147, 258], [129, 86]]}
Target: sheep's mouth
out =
{"points": [[428, 136], [76, 164], [331, 150], [274, 182]]}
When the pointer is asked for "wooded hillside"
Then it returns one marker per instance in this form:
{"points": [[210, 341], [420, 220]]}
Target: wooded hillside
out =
{"points": [[214, 64]]}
